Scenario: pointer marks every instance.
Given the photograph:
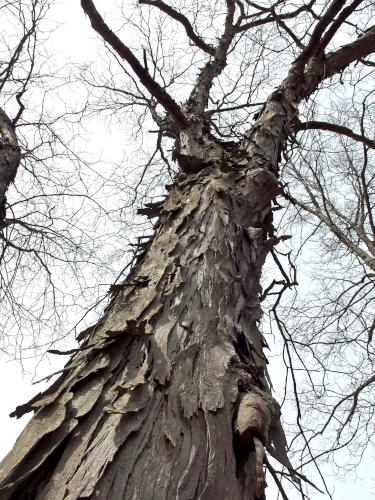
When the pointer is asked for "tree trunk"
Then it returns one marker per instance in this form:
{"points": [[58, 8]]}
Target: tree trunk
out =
{"points": [[10, 157], [167, 398], [147, 409]]}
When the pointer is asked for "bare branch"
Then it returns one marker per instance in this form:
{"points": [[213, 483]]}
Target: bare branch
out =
{"points": [[338, 60], [344, 14], [271, 17], [177, 16], [354, 248], [284, 26], [333, 127], [314, 43], [125, 53], [199, 96], [353, 395]]}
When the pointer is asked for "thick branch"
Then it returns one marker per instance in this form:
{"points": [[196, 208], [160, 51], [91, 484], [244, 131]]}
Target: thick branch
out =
{"points": [[125, 53], [177, 16], [326, 66], [314, 43], [282, 104], [362, 47], [344, 14], [332, 127], [199, 97]]}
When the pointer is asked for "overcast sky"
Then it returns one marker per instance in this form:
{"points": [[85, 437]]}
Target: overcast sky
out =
{"points": [[74, 40]]}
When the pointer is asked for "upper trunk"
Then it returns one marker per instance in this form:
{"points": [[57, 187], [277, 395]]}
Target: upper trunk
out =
{"points": [[147, 408]]}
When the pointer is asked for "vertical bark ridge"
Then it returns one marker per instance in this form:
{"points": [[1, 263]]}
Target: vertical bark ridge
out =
{"points": [[146, 409]]}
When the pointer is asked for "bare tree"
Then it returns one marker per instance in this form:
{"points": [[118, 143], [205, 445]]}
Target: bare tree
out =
{"points": [[168, 395], [47, 238], [329, 330]]}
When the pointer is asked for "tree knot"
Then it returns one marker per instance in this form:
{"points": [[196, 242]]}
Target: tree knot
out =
{"points": [[256, 412]]}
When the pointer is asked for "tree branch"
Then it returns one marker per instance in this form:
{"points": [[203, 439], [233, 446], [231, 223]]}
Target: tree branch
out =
{"points": [[271, 17], [338, 60], [326, 66], [333, 127], [314, 43], [125, 53], [344, 14], [284, 26], [353, 247], [177, 16], [199, 96]]}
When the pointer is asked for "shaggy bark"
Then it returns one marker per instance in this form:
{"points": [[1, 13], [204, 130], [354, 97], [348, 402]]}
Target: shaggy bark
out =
{"points": [[164, 372], [167, 398]]}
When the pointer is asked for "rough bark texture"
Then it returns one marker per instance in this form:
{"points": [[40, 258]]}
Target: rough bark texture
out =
{"points": [[148, 408], [10, 157], [163, 373], [167, 398]]}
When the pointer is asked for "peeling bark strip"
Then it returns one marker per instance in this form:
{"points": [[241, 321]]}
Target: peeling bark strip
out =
{"points": [[168, 364], [10, 157], [163, 373]]}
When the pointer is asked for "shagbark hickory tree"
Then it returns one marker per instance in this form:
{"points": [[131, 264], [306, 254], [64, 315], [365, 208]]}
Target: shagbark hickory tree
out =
{"points": [[168, 395]]}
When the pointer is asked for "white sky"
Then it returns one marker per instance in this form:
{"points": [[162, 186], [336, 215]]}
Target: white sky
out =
{"points": [[75, 40]]}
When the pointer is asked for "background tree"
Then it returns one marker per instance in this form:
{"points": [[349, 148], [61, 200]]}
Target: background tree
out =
{"points": [[172, 383], [50, 244]]}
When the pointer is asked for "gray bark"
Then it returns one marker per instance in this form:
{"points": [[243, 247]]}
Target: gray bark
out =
{"points": [[167, 397], [147, 408], [150, 405]]}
